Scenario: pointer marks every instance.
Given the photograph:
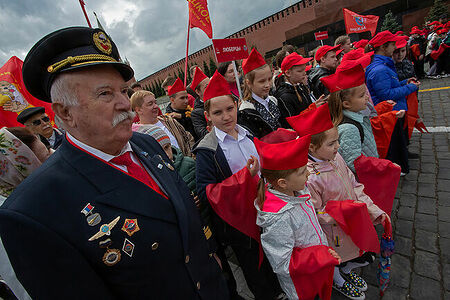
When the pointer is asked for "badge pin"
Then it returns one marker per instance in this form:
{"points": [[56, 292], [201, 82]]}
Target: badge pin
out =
{"points": [[111, 257], [128, 247], [160, 166], [87, 210], [130, 226], [169, 166], [105, 229], [94, 219], [144, 153], [105, 243]]}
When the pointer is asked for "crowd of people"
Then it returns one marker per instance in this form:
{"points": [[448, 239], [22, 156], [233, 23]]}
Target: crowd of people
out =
{"points": [[140, 203]]}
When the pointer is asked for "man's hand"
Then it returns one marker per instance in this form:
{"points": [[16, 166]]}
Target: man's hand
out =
{"points": [[253, 165], [174, 115], [335, 255], [400, 114]]}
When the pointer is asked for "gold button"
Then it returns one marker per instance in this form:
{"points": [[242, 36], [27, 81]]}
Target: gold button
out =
{"points": [[186, 260], [155, 246], [198, 285]]}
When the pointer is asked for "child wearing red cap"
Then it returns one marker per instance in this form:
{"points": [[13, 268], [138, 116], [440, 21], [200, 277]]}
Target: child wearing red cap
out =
{"points": [[331, 179], [223, 159], [404, 67], [418, 42], [292, 93], [328, 62], [291, 235], [199, 84], [259, 112]]}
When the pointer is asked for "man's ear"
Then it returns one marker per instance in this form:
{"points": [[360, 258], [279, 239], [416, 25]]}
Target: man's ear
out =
{"points": [[346, 104], [64, 113]]}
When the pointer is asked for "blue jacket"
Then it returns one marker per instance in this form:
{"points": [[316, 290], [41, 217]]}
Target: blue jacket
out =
{"points": [[46, 236], [382, 81]]}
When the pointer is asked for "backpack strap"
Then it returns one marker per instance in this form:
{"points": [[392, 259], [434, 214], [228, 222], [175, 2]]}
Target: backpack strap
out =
{"points": [[347, 120]]}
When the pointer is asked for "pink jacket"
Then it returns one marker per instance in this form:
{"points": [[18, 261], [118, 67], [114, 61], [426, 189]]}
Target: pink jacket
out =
{"points": [[333, 180]]}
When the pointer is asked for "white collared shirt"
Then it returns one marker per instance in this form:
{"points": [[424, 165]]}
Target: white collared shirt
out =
{"points": [[237, 152], [105, 156], [264, 102], [51, 140]]}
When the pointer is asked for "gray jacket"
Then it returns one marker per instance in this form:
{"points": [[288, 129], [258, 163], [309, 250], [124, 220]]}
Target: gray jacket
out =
{"points": [[294, 225]]}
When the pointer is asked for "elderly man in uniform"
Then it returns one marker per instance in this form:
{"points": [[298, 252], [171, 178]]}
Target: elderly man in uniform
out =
{"points": [[107, 216], [38, 122]]}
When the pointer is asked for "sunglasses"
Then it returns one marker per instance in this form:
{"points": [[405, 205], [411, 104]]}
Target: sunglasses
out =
{"points": [[38, 121]]}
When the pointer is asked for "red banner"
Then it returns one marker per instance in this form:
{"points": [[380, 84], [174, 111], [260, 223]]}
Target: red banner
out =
{"points": [[355, 23], [230, 49], [321, 35], [199, 16], [14, 98]]}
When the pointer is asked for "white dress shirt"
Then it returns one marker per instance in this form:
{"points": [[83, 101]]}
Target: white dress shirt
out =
{"points": [[237, 152], [264, 102]]}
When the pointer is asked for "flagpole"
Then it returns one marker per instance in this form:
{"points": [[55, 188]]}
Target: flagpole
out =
{"points": [[84, 11], [187, 52]]}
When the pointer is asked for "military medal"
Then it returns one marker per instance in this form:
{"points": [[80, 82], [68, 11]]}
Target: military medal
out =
{"points": [[87, 210], [111, 257], [128, 247], [105, 229], [94, 219], [130, 226]]}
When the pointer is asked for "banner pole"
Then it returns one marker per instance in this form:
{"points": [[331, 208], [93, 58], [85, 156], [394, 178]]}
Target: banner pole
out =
{"points": [[84, 11], [321, 42], [237, 80], [187, 53]]}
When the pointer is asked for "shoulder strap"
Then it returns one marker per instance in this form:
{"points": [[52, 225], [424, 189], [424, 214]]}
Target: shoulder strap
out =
{"points": [[347, 120]]}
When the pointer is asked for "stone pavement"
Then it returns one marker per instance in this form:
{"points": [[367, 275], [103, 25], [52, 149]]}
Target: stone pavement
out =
{"points": [[421, 213]]}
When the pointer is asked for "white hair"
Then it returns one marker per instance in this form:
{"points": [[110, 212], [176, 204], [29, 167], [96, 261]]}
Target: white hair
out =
{"points": [[62, 91]]}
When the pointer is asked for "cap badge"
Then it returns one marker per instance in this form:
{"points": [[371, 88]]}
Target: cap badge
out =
{"points": [[102, 42]]}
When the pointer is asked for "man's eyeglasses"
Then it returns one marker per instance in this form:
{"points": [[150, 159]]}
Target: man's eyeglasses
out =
{"points": [[38, 121]]}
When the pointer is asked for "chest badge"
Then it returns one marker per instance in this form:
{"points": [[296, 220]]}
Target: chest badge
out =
{"points": [[130, 226], [111, 257], [105, 229], [128, 247]]}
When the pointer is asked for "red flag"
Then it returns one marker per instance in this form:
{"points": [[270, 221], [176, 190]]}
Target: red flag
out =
{"points": [[353, 217], [380, 178], [412, 115], [355, 23], [383, 126], [199, 16], [14, 97], [311, 270]]}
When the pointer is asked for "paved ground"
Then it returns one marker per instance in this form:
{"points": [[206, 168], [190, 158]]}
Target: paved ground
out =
{"points": [[421, 213]]}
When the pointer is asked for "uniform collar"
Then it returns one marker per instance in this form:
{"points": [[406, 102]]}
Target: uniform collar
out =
{"points": [[264, 102], [221, 135]]}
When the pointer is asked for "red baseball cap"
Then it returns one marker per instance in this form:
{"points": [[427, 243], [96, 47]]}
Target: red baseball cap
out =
{"points": [[355, 57], [308, 67], [198, 77], [283, 156], [217, 86], [384, 37], [324, 50], [293, 59], [415, 31], [178, 86], [312, 122], [442, 31], [402, 42], [361, 43], [435, 23], [254, 61], [344, 79]]}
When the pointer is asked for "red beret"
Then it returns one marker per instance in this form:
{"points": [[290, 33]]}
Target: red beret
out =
{"points": [[198, 77], [344, 79], [361, 43], [253, 61], [217, 86], [324, 50], [177, 86], [312, 122], [293, 59], [283, 156], [281, 135]]}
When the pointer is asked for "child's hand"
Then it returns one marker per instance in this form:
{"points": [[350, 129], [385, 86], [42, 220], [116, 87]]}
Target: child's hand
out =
{"points": [[335, 255], [322, 100], [381, 219], [400, 114], [253, 165], [391, 102]]}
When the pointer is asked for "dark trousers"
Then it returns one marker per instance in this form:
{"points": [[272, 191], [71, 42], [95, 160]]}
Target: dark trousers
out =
{"points": [[419, 68], [398, 148]]}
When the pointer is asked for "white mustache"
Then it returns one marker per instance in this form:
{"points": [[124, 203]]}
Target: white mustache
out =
{"points": [[122, 117]]}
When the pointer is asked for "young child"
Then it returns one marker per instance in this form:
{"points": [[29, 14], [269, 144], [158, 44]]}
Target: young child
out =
{"points": [[331, 179], [292, 100], [259, 112], [292, 238], [223, 158], [347, 100]]}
